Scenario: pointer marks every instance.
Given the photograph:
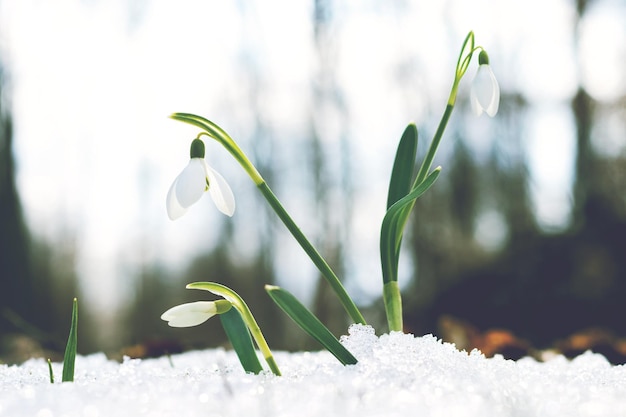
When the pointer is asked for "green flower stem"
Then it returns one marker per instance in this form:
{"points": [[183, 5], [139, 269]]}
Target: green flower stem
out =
{"points": [[246, 315], [465, 57], [217, 133], [393, 305], [222, 137], [391, 292], [461, 67], [432, 150], [317, 259]]}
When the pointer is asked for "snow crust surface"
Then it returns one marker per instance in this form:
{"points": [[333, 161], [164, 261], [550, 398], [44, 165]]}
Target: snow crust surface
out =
{"points": [[397, 375]]}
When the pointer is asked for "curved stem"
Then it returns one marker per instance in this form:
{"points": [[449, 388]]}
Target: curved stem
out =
{"points": [[317, 259], [246, 315], [222, 137], [217, 133]]}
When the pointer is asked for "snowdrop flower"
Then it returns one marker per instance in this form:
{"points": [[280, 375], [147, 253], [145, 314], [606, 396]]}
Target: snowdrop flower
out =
{"points": [[485, 92], [193, 314], [195, 179]]}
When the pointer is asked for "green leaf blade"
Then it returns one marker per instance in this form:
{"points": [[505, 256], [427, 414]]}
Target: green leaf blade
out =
{"points": [[240, 338], [309, 323], [69, 359], [50, 371], [393, 225], [403, 166]]}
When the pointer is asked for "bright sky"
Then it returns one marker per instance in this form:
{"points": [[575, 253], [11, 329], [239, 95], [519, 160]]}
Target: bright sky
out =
{"points": [[92, 82]]}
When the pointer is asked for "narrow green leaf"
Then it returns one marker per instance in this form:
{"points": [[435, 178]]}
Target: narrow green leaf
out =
{"points": [[399, 186], [69, 359], [390, 240], [50, 371], [240, 338], [393, 223], [403, 166], [309, 323]]}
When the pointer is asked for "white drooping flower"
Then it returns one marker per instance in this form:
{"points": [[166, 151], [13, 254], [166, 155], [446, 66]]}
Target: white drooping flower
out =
{"points": [[485, 91], [193, 181], [193, 314]]}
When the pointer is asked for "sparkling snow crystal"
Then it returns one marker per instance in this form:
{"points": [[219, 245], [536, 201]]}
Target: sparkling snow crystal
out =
{"points": [[397, 375]]}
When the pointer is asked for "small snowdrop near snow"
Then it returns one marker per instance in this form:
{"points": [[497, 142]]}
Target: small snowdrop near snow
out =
{"points": [[397, 375]]}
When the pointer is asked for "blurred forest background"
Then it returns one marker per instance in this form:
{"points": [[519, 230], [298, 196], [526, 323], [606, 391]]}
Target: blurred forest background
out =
{"points": [[525, 229]]}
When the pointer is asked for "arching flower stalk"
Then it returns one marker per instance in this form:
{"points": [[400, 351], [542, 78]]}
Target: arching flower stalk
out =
{"points": [[213, 131], [196, 313]]}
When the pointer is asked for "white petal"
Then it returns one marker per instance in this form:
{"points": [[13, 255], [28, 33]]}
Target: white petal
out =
{"points": [[220, 192], [492, 108], [485, 92], [191, 183], [481, 87], [476, 107], [189, 314], [174, 209]]}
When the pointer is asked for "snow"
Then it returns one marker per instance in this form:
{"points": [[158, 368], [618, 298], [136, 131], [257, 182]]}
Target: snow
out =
{"points": [[397, 375]]}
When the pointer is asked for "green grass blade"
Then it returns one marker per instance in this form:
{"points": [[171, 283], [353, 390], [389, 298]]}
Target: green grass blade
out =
{"points": [[403, 166], [50, 371], [240, 338], [69, 359], [309, 323]]}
